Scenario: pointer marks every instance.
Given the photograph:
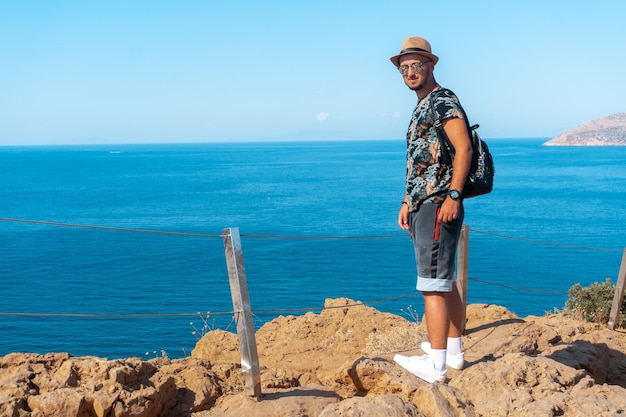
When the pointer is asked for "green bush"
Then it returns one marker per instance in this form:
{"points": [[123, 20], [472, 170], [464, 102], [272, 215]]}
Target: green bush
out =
{"points": [[593, 303]]}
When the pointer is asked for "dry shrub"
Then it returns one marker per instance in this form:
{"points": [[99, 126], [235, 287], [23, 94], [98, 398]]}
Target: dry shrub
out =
{"points": [[397, 339], [593, 303]]}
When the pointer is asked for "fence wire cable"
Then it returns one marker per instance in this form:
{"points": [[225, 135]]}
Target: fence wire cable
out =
{"points": [[259, 236], [213, 236], [219, 313], [517, 288], [109, 316], [541, 242], [118, 229]]}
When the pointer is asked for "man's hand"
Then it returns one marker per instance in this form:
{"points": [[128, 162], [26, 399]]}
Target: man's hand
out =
{"points": [[403, 217], [449, 210]]}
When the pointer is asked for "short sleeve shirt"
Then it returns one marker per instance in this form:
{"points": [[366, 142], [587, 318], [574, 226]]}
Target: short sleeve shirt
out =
{"points": [[426, 178]]}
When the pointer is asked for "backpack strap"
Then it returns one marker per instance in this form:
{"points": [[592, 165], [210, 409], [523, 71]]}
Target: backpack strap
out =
{"points": [[446, 148]]}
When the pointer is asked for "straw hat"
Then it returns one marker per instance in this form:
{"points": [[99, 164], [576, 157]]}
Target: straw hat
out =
{"points": [[414, 45]]}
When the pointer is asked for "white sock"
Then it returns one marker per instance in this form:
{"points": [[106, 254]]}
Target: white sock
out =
{"points": [[439, 358], [454, 345]]}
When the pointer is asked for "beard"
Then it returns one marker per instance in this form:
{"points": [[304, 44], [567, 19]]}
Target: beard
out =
{"points": [[416, 87], [420, 85]]}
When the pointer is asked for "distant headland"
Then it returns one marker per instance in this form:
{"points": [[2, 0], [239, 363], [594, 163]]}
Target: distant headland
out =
{"points": [[605, 131]]}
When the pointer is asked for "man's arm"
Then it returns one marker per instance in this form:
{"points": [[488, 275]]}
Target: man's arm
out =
{"points": [[457, 133]]}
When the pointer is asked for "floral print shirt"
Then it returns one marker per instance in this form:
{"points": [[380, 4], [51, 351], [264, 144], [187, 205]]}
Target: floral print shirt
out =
{"points": [[427, 180]]}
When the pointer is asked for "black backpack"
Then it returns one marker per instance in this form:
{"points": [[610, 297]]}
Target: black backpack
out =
{"points": [[480, 177]]}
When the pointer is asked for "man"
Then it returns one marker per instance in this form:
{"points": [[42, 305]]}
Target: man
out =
{"points": [[432, 208]]}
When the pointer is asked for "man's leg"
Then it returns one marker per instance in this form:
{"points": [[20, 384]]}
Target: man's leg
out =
{"points": [[444, 312], [437, 318], [444, 348], [455, 311]]}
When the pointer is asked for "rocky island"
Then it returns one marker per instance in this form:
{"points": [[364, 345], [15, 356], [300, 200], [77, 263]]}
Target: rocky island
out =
{"points": [[605, 131]]}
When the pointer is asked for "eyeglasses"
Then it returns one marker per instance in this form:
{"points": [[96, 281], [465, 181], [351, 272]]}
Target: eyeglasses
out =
{"points": [[417, 66]]}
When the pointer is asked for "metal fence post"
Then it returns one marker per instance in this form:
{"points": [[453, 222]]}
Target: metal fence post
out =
{"points": [[618, 298], [243, 312], [462, 268]]}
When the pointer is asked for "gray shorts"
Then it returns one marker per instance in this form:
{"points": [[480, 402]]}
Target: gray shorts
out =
{"points": [[435, 248]]}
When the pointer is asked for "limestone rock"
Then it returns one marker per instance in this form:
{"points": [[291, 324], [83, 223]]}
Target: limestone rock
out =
{"points": [[388, 405], [339, 363], [309, 400]]}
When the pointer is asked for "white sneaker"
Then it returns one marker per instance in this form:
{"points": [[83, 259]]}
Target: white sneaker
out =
{"points": [[453, 361], [421, 366]]}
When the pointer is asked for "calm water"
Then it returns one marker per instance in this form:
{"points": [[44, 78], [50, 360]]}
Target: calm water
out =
{"points": [[556, 218]]}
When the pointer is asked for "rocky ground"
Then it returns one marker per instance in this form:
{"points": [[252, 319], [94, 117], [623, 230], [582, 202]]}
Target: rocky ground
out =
{"points": [[338, 363]]}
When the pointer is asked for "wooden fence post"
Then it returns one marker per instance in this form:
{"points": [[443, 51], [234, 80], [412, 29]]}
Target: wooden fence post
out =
{"points": [[618, 298], [462, 268], [243, 312]]}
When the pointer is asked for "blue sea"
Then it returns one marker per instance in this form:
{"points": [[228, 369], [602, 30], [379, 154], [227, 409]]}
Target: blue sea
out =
{"points": [[116, 250]]}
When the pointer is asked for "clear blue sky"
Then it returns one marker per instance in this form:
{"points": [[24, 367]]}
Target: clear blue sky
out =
{"points": [[201, 71]]}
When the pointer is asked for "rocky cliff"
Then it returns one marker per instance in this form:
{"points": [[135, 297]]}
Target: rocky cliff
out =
{"points": [[606, 131], [339, 364]]}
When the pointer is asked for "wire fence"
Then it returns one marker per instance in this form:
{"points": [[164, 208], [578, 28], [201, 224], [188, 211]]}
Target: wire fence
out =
{"points": [[261, 236]]}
